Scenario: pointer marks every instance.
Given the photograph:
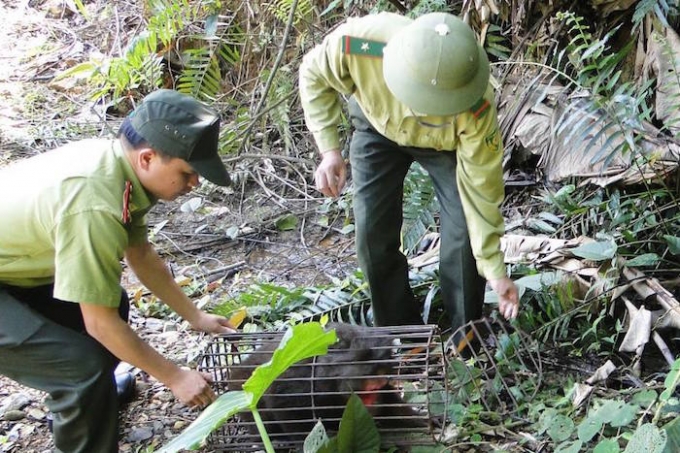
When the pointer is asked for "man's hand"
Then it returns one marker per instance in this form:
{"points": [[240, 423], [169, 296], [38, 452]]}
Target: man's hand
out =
{"points": [[209, 323], [331, 174], [192, 388], [508, 296]]}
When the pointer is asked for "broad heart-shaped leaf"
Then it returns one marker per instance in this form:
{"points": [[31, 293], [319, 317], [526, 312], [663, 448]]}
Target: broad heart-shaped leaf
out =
{"points": [[588, 428], [560, 428], [644, 398], [300, 342], [357, 433], [596, 251], [648, 439], [646, 259], [672, 430], [671, 381], [607, 446], [616, 412], [673, 243], [569, 447], [625, 415], [210, 419]]}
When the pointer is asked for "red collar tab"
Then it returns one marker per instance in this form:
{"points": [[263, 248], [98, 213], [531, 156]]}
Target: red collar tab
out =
{"points": [[127, 193]]}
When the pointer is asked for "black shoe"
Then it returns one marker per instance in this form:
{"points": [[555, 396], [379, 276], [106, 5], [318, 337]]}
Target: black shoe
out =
{"points": [[126, 387]]}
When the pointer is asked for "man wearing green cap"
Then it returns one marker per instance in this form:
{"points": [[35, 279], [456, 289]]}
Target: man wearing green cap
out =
{"points": [[419, 91], [68, 218]]}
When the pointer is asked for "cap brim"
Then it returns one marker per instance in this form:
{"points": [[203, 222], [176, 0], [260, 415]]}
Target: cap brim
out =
{"points": [[212, 169], [428, 99]]}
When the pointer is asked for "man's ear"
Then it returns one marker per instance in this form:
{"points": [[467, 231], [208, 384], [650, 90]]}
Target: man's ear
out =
{"points": [[144, 157]]}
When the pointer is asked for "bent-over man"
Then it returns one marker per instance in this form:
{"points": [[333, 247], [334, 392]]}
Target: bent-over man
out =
{"points": [[419, 91], [68, 218]]}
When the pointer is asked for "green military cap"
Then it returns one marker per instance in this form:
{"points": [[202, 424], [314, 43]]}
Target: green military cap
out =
{"points": [[180, 126], [436, 66]]}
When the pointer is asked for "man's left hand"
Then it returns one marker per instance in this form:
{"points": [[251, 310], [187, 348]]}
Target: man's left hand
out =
{"points": [[210, 323], [508, 296]]}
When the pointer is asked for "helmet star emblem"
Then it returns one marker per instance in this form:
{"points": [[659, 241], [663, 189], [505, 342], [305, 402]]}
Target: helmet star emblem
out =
{"points": [[442, 29]]}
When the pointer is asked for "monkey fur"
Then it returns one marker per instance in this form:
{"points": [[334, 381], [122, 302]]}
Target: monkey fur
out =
{"points": [[359, 362]]}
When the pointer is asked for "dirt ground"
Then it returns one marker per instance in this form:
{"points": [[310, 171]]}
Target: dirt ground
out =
{"points": [[41, 38]]}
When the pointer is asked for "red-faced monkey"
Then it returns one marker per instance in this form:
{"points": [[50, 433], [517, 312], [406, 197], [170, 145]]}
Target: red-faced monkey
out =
{"points": [[360, 362]]}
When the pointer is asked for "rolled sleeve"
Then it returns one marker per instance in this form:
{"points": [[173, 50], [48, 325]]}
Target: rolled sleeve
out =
{"points": [[323, 75]]}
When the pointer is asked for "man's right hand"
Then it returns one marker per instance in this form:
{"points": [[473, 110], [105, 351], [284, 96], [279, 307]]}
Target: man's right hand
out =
{"points": [[192, 388], [331, 174]]}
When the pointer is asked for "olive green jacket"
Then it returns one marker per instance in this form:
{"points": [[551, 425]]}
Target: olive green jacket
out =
{"points": [[64, 220], [349, 62]]}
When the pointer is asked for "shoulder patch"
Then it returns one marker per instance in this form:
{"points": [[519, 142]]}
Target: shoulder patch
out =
{"points": [[362, 47], [480, 108]]}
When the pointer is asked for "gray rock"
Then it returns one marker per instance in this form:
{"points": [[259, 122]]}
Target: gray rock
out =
{"points": [[139, 434], [13, 415], [14, 402]]}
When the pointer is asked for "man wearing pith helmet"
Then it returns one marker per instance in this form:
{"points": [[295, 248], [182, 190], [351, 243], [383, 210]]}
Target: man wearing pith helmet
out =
{"points": [[69, 217], [418, 91]]}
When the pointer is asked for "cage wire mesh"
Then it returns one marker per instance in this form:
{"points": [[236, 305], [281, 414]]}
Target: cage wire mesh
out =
{"points": [[410, 410], [492, 364]]}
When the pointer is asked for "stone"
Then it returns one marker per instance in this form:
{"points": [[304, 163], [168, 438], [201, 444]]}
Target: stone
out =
{"points": [[139, 434], [14, 402], [13, 415]]}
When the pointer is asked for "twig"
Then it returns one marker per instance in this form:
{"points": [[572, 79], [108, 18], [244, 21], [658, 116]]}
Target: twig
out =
{"points": [[663, 347], [274, 70]]}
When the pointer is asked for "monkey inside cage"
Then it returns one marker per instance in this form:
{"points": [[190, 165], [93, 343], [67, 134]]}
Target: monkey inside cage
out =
{"points": [[398, 372]]}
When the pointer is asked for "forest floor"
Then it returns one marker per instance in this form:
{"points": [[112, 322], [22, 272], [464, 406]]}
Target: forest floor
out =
{"points": [[38, 40], [42, 38]]}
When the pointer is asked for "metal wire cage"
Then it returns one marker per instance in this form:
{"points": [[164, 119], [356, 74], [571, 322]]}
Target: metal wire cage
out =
{"points": [[492, 364], [401, 380]]}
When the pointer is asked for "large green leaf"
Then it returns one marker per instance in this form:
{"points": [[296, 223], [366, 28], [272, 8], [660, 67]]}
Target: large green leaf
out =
{"points": [[569, 447], [607, 446], [596, 251], [672, 430], [647, 438], [561, 428], [673, 243], [357, 433], [210, 419], [298, 343]]}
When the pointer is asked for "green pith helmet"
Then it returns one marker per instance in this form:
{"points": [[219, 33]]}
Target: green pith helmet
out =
{"points": [[436, 66]]}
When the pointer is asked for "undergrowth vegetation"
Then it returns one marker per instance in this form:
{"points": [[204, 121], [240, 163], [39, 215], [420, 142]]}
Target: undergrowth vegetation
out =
{"points": [[604, 114]]}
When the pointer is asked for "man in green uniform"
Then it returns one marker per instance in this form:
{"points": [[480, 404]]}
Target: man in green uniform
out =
{"points": [[419, 92], [68, 218]]}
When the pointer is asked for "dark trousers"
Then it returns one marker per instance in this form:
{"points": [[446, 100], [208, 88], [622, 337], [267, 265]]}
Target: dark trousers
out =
{"points": [[43, 345], [379, 167]]}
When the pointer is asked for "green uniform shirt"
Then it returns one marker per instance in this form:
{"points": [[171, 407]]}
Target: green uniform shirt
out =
{"points": [[62, 220], [349, 61]]}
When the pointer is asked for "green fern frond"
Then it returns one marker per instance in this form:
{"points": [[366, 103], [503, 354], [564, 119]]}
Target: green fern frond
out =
{"points": [[419, 207], [281, 9], [595, 68], [168, 19], [202, 73], [662, 9], [346, 301], [201, 77]]}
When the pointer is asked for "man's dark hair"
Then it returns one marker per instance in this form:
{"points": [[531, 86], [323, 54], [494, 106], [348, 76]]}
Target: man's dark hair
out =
{"points": [[133, 138]]}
